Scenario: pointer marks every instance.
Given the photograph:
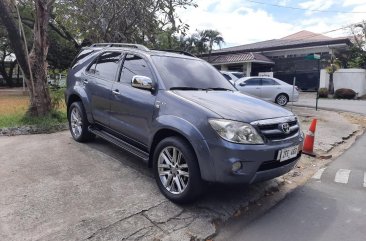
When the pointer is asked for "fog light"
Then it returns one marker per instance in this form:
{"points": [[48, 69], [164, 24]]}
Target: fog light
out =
{"points": [[236, 166]]}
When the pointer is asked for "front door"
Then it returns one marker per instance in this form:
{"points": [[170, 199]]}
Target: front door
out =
{"points": [[98, 83], [132, 109], [270, 89], [252, 87]]}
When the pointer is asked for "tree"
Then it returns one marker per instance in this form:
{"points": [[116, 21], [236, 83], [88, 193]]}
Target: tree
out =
{"points": [[7, 62], [145, 21], [211, 37], [334, 65], [34, 65], [357, 58]]}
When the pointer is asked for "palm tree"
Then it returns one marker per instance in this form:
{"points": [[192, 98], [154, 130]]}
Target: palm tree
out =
{"points": [[212, 37], [334, 65]]}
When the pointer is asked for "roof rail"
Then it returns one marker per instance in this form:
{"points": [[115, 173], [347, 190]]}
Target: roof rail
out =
{"points": [[177, 51], [123, 45]]}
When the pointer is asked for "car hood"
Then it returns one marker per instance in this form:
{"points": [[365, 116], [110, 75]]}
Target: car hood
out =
{"points": [[235, 105]]}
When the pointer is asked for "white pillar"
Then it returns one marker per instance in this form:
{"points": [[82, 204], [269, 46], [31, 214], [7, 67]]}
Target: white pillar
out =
{"points": [[247, 68], [224, 67]]}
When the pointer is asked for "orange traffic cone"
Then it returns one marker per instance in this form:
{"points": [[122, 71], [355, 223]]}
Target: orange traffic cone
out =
{"points": [[308, 148]]}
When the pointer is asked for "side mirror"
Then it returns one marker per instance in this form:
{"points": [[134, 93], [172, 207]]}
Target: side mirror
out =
{"points": [[142, 82], [242, 84]]}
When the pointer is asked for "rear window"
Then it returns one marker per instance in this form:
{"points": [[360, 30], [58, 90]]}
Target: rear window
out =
{"points": [[239, 75], [227, 76]]}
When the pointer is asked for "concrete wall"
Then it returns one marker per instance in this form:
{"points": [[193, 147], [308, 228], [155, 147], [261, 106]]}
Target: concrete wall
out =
{"points": [[354, 79]]}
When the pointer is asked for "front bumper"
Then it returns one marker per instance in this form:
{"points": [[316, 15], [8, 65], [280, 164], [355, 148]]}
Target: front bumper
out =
{"points": [[258, 162]]}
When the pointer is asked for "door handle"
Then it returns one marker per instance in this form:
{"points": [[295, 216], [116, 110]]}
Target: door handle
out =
{"points": [[258, 88], [116, 92]]}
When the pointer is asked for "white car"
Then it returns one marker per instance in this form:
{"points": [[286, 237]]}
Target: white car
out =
{"points": [[232, 76], [266, 88]]}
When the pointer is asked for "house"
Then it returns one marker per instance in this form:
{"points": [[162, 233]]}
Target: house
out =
{"points": [[284, 57]]}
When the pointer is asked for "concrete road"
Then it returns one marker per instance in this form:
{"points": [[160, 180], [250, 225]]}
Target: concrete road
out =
{"points": [[309, 100], [331, 207]]}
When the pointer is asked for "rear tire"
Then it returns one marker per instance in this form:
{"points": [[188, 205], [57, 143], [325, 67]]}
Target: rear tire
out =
{"points": [[281, 99], [78, 123], [176, 170]]}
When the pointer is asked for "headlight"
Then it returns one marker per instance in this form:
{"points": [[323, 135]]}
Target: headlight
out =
{"points": [[235, 131]]}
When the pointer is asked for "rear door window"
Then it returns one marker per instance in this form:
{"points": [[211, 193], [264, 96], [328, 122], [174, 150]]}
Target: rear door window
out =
{"points": [[268, 82], [134, 65], [252, 82], [106, 65]]}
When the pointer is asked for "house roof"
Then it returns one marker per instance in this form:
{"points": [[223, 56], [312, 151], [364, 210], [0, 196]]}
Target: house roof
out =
{"points": [[238, 58], [300, 39], [306, 35]]}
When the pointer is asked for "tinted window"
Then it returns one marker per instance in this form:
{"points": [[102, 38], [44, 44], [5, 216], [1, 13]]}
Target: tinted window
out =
{"points": [[134, 65], [189, 73], [255, 81], [106, 65], [266, 81], [238, 75], [227, 76], [81, 56]]}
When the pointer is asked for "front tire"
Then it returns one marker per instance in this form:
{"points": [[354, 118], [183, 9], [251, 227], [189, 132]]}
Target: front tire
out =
{"points": [[281, 99], [78, 123], [176, 170]]}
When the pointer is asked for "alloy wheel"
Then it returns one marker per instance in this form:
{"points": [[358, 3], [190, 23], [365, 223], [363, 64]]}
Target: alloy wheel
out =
{"points": [[282, 100], [76, 122], [173, 170]]}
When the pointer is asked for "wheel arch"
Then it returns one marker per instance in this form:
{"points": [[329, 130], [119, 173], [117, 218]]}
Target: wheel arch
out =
{"points": [[82, 97], [186, 131], [282, 93]]}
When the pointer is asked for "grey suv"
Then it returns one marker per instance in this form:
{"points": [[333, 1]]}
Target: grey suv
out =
{"points": [[181, 116]]}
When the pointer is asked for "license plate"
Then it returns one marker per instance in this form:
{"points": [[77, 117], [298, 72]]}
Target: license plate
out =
{"points": [[288, 153]]}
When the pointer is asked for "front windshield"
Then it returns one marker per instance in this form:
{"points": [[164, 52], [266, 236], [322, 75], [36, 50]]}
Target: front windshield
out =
{"points": [[184, 73]]}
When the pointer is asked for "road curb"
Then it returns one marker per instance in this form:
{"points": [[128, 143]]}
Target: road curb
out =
{"points": [[327, 108]]}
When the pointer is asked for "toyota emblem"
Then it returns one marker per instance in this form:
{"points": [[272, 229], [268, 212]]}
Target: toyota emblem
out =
{"points": [[285, 128]]}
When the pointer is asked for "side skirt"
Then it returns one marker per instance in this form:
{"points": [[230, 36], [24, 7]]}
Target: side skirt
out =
{"points": [[120, 143]]}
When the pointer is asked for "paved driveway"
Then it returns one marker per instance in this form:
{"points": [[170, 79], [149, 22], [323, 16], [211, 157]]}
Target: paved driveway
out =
{"points": [[52, 188], [309, 100]]}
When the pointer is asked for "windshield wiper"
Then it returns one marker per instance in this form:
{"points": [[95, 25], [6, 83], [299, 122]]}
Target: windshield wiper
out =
{"points": [[219, 88], [184, 88], [203, 89]]}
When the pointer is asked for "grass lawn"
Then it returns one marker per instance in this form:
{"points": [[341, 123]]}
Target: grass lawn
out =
{"points": [[14, 108]]}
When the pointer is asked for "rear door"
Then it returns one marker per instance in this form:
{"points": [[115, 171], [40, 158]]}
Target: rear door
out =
{"points": [[100, 78], [270, 89], [251, 86], [132, 109]]}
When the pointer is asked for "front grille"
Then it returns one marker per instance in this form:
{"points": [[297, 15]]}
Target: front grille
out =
{"points": [[271, 129], [268, 165]]}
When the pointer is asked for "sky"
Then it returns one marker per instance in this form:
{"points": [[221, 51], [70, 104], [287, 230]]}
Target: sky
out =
{"points": [[244, 21]]}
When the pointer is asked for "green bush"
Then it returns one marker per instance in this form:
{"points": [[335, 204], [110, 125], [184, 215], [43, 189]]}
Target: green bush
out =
{"points": [[323, 93], [344, 94], [57, 97]]}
